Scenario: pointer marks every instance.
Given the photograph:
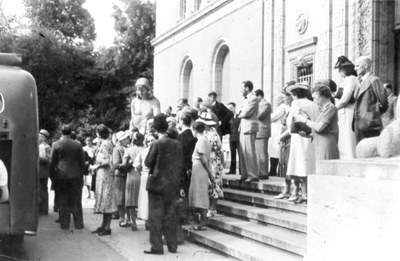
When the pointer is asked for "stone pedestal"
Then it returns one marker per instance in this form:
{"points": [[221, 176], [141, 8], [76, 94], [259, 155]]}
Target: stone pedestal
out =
{"points": [[354, 210]]}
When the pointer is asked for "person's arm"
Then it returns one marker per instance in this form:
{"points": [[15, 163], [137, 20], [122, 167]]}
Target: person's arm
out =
{"points": [[326, 118], [278, 113], [53, 162], [116, 159], [156, 107], [264, 110], [348, 92], [151, 158], [249, 107], [381, 95], [206, 165]]}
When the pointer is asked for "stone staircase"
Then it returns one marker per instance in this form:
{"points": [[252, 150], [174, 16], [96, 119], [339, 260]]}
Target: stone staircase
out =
{"points": [[252, 225]]}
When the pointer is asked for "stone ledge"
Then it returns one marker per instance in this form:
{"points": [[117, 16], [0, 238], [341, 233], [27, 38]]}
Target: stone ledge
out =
{"points": [[370, 168]]}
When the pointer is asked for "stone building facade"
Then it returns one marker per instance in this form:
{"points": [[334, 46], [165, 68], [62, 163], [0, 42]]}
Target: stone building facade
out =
{"points": [[204, 45]]}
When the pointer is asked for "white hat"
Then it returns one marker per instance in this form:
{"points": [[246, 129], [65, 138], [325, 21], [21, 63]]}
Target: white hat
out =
{"points": [[121, 135], [205, 117], [302, 85]]}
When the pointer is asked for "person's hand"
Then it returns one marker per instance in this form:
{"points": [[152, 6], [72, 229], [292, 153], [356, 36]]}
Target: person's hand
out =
{"points": [[182, 193]]}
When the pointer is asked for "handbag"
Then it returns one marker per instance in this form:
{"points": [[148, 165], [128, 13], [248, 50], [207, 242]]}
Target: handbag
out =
{"points": [[297, 127]]}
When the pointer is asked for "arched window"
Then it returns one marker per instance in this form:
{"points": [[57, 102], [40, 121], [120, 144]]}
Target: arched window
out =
{"points": [[221, 72], [187, 79]]}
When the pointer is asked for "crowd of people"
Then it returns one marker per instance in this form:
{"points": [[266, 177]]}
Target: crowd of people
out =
{"points": [[164, 161]]}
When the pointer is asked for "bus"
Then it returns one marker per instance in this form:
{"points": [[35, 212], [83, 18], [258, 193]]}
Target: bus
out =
{"points": [[18, 149]]}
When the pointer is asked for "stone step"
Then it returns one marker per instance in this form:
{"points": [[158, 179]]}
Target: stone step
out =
{"points": [[264, 200], [290, 220], [240, 248], [273, 185], [291, 241]]}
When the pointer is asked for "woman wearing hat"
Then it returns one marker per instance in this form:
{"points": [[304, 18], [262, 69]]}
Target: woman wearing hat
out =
{"points": [[302, 151], [345, 106], [216, 158]]}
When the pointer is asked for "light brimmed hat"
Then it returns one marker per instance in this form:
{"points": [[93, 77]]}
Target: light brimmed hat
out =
{"points": [[45, 133], [121, 135], [303, 85], [205, 117]]}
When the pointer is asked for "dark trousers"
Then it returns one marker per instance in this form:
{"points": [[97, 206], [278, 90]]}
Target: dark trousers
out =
{"points": [[43, 196], [70, 201], [366, 134], [162, 220], [274, 165], [234, 147]]}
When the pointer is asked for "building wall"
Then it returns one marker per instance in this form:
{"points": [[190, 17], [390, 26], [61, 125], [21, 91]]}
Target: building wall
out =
{"points": [[268, 40]]}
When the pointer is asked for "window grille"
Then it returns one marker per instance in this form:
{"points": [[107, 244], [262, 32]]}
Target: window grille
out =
{"points": [[305, 74]]}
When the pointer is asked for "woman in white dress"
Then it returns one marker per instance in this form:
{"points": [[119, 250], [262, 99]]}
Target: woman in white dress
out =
{"points": [[302, 150], [276, 130], [345, 105], [143, 200]]}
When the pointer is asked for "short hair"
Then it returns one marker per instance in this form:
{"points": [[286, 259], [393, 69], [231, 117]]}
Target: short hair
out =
{"points": [[248, 84], [232, 103], [323, 90], [199, 126], [199, 99], [150, 134], [214, 94], [186, 118], [388, 85], [103, 131], [184, 100], [73, 135], [366, 60], [66, 129], [259, 92], [193, 113], [138, 139], [160, 123], [328, 82]]}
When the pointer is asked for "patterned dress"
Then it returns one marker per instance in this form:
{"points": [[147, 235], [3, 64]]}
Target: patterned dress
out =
{"points": [[105, 195], [132, 178], [216, 163]]}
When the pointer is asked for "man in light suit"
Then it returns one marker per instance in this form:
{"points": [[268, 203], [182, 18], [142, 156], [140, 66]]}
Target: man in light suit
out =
{"points": [[263, 134], [66, 167], [371, 102], [248, 131]]}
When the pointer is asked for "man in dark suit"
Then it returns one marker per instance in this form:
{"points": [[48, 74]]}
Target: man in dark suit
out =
{"points": [[67, 168], [371, 102], [223, 113], [233, 137], [248, 132], [165, 163], [263, 134]]}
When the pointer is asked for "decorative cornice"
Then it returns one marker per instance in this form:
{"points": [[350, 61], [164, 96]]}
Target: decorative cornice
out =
{"points": [[301, 44], [182, 25]]}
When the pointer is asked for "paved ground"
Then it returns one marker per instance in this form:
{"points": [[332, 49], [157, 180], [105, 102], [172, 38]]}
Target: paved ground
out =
{"points": [[52, 243]]}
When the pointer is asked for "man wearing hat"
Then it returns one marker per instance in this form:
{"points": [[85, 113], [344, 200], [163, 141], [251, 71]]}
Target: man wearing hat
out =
{"points": [[371, 102], [248, 130], [144, 106], [44, 162]]}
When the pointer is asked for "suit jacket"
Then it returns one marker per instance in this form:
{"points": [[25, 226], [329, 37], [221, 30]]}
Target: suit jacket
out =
{"points": [[188, 142], [118, 155], [234, 122], [371, 102], [67, 160], [224, 115], [264, 119], [44, 160], [165, 163], [248, 115]]}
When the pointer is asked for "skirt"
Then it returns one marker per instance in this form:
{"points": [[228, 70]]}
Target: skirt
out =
{"points": [[198, 190], [132, 188], [120, 184], [143, 200]]}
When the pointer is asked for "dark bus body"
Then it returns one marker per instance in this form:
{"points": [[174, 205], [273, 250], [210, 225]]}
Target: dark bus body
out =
{"points": [[18, 148]]}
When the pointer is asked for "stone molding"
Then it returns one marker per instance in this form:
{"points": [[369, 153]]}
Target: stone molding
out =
{"points": [[364, 27]]}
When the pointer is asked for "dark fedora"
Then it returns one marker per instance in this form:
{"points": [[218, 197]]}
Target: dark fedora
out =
{"points": [[343, 61]]}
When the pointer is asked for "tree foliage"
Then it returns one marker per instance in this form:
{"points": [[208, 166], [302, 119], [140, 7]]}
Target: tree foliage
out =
{"points": [[77, 84]]}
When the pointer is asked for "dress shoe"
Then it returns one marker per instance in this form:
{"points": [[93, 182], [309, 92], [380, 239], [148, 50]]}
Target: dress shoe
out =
{"points": [[282, 196], [57, 220], [65, 227], [105, 232], [264, 177], [293, 198], [79, 227], [301, 200], [134, 228], [98, 230], [252, 180], [152, 252], [114, 216], [173, 251]]}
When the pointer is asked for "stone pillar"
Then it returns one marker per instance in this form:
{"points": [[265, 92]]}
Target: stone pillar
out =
{"points": [[354, 210]]}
